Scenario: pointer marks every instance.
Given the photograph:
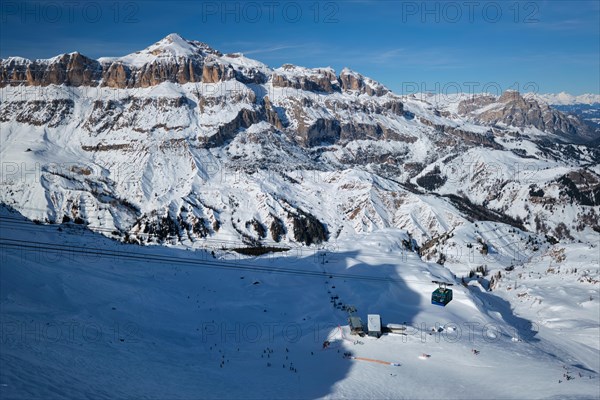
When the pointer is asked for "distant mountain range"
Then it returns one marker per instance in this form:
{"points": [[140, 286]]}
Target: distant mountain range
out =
{"points": [[565, 99]]}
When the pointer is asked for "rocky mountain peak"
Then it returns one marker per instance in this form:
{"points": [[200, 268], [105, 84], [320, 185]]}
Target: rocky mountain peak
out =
{"points": [[172, 48], [353, 81], [510, 96], [173, 45], [513, 109]]}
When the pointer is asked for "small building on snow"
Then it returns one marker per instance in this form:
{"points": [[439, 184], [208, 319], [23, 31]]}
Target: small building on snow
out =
{"points": [[374, 325], [356, 326]]}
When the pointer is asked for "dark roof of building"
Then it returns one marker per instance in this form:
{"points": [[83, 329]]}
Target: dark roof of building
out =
{"points": [[355, 322]]}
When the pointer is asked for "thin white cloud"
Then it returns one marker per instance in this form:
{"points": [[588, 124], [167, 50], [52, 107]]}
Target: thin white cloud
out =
{"points": [[271, 49], [432, 58]]}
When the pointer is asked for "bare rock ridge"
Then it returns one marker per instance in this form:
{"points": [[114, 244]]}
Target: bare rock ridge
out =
{"points": [[69, 69], [352, 81]]}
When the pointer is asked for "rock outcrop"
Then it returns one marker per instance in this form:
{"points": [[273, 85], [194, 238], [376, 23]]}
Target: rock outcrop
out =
{"points": [[68, 69], [512, 109], [213, 72], [312, 80], [354, 82]]}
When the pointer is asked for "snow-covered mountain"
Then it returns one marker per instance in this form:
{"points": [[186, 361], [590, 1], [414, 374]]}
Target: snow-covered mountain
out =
{"points": [[179, 142], [512, 109], [566, 99], [359, 196]]}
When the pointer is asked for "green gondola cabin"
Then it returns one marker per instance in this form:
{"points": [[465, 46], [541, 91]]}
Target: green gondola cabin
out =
{"points": [[442, 295]]}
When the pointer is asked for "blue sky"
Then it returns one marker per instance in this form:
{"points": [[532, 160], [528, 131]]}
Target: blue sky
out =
{"points": [[545, 46]]}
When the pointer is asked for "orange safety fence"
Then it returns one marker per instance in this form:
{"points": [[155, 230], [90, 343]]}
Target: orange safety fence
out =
{"points": [[375, 361]]}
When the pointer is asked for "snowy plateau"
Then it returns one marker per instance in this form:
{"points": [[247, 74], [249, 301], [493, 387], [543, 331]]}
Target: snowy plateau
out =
{"points": [[180, 223]]}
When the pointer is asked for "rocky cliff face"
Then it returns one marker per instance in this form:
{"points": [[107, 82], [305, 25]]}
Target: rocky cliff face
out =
{"points": [[176, 60], [312, 80], [214, 72], [351, 81], [52, 113], [69, 69], [77, 70], [172, 59], [512, 109]]}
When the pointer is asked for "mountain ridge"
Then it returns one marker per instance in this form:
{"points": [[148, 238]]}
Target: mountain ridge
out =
{"points": [[171, 59]]}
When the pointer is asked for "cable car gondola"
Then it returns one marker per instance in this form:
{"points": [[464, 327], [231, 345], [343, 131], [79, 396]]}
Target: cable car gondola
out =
{"points": [[442, 295]]}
